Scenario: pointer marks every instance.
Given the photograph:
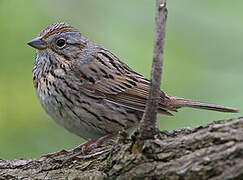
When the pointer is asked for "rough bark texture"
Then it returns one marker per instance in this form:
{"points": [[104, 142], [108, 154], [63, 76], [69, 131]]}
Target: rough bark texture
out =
{"points": [[211, 152]]}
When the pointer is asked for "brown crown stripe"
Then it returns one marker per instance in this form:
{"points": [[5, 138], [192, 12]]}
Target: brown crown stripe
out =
{"points": [[56, 28]]}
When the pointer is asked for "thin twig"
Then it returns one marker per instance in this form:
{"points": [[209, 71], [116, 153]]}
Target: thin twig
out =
{"points": [[148, 123]]}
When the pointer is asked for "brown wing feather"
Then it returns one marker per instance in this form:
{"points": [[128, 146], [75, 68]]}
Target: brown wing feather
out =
{"points": [[106, 76]]}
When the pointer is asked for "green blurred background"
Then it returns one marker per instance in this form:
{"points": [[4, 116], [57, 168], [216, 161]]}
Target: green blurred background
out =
{"points": [[203, 60]]}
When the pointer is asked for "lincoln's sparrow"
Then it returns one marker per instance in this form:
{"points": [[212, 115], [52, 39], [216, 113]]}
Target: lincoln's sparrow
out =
{"points": [[88, 90]]}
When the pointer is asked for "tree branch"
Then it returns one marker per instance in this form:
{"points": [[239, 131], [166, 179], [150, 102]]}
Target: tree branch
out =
{"points": [[211, 152], [148, 122]]}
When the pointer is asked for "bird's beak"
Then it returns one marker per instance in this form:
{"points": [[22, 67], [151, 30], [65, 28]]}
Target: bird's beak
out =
{"points": [[37, 43]]}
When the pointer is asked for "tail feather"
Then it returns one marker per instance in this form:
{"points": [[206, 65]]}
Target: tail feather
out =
{"points": [[181, 102]]}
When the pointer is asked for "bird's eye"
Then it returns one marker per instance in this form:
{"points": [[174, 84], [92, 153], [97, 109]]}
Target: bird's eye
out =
{"points": [[61, 42]]}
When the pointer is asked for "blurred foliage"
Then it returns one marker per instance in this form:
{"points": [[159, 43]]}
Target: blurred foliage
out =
{"points": [[203, 60]]}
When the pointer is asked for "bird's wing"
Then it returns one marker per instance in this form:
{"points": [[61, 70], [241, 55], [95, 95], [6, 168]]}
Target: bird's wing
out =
{"points": [[105, 76]]}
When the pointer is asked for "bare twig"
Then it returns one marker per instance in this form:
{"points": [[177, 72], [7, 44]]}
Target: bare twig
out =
{"points": [[148, 123]]}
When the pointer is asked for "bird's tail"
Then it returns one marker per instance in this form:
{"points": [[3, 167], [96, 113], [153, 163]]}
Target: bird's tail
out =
{"points": [[181, 102]]}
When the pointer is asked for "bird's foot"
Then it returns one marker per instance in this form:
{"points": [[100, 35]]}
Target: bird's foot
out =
{"points": [[82, 149]]}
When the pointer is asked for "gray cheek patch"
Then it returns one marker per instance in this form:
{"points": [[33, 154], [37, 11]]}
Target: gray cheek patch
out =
{"points": [[74, 38]]}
